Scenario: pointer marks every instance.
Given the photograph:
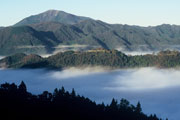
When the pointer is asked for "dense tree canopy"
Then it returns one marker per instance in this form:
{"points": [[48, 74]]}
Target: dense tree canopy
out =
{"points": [[98, 57]]}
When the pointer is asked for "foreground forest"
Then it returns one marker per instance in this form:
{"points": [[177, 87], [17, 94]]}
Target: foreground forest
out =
{"points": [[97, 57], [17, 103]]}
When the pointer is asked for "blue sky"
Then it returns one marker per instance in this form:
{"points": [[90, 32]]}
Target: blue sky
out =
{"points": [[132, 12]]}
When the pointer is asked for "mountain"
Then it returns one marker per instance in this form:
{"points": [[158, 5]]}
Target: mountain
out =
{"points": [[26, 39], [52, 16], [116, 36], [54, 31], [71, 34]]}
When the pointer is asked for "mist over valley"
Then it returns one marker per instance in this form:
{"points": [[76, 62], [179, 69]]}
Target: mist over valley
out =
{"points": [[157, 89], [110, 71]]}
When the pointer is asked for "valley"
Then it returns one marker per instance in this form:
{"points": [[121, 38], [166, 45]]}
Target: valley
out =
{"points": [[56, 53]]}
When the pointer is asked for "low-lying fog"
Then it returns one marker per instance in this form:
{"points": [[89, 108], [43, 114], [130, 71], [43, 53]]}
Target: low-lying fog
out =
{"points": [[156, 89], [139, 52], [1, 57]]}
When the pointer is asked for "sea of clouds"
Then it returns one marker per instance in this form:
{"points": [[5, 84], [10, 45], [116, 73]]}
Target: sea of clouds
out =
{"points": [[157, 89], [1, 57]]}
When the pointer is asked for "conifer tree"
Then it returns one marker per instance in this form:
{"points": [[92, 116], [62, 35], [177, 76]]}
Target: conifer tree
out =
{"points": [[22, 87], [138, 108]]}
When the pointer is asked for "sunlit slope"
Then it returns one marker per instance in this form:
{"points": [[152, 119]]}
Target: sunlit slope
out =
{"points": [[98, 57]]}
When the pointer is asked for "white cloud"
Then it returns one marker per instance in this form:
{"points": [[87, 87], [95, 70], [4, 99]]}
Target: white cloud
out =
{"points": [[76, 72], [138, 52], [1, 57], [146, 79]]}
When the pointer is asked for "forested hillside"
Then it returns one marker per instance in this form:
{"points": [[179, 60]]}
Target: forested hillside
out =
{"points": [[97, 57]]}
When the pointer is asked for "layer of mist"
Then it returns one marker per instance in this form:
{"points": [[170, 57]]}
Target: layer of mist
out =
{"points": [[156, 89], [138, 52], [1, 57], [149, 51]]}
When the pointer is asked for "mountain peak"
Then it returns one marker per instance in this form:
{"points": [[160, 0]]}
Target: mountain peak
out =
{"points": [[52, 16], [54, 12]]}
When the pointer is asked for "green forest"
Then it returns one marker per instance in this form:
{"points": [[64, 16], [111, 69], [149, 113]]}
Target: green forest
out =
{"points": [[98, 57]]}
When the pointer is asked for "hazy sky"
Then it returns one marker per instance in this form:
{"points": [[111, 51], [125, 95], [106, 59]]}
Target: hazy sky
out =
{"points": [[133, 12]]}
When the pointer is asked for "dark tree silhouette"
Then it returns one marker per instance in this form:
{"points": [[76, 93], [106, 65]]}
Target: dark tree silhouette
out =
{"points": [[138, 108], [17, 103], [114, 104], [22, 87], [73, 93]]}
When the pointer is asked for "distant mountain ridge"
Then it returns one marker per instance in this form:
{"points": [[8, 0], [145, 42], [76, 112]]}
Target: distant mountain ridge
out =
{"points": [[52, 16], [58, 31]]}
